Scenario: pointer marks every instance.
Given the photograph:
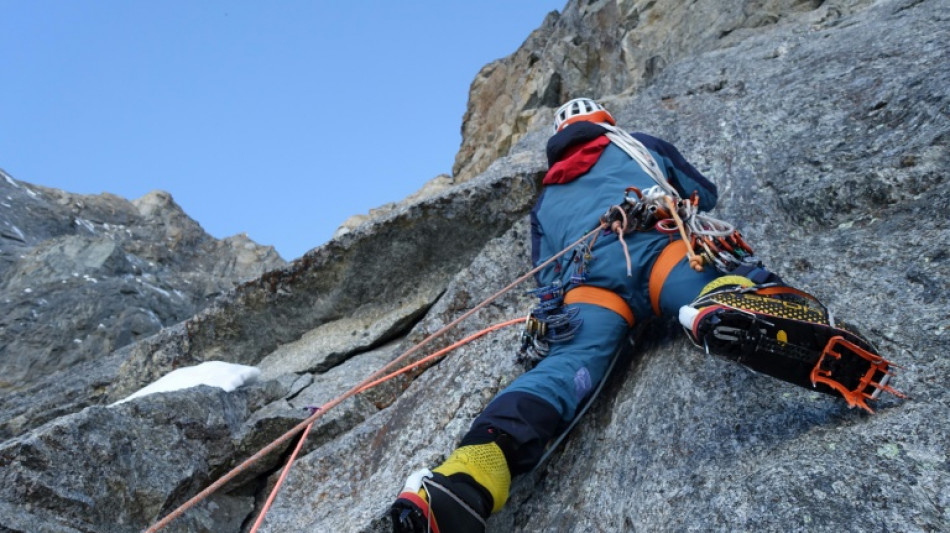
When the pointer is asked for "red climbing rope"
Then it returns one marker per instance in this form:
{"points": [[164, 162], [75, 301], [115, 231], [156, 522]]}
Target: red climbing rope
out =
{"points": [[210, 489]]}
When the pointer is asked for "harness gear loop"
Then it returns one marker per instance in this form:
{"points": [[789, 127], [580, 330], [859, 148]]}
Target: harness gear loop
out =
{"points": [[710, 241], [696, 229], [548, 323]]}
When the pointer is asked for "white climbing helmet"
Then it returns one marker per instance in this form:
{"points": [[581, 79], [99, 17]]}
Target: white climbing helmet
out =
{"points": [[581, 109]]}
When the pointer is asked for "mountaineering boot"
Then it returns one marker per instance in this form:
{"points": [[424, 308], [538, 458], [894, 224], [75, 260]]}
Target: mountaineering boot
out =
{"points": [[787, 334], [458, 496], [434, 502]]}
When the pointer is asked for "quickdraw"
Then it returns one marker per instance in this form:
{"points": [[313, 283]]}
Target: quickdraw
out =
{"points": [[550, 322]]}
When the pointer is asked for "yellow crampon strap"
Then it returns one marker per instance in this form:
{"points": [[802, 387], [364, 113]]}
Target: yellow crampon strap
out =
{"points": [[725, 281]]}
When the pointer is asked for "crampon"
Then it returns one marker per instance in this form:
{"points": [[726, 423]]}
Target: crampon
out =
{"points": [[788, 334]]}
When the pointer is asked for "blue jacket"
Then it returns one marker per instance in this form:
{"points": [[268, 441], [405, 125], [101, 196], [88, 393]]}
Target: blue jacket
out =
{"points": [[566, 211]]}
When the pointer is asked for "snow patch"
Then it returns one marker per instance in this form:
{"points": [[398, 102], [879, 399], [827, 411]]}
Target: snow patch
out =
{"points": [[9, 180], [16, 234], [86, 224], [225, 376], [159, 290]]}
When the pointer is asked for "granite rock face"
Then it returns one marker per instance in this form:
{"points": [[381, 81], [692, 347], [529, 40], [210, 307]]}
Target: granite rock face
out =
{"points": [[826, 126], [605, 48], [314, 327]]}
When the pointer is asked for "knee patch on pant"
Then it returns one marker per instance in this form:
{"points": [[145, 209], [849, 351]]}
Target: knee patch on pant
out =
{"points": [[486, 464]]}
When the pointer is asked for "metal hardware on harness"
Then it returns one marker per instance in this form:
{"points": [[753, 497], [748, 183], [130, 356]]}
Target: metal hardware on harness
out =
{"points": [[641, 211], [581, 260], [549, 298], [717, 243], [549, 323]]}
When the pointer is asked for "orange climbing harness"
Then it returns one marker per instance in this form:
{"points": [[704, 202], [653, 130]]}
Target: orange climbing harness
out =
{"points": [[377, 377], [588, 294], [669, 258]]}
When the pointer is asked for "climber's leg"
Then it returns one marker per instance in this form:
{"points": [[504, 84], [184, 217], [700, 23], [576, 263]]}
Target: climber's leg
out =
{"points": [[509, 436], [680, 287], [571, 370]]}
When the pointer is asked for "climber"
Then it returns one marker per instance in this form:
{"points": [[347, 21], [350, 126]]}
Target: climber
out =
{"points": [[658, 254]]}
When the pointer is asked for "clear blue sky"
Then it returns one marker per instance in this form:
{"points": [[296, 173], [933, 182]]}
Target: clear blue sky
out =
{"points": [[278, 119]]}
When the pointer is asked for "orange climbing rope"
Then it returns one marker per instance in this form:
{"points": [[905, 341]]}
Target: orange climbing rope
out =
{"points": [[443, 351], [372, 379], [280, 481], [435, 356]]}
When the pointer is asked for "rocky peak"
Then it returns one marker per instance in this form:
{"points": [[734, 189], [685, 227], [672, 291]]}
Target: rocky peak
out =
{"points": [[84, 275]]}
